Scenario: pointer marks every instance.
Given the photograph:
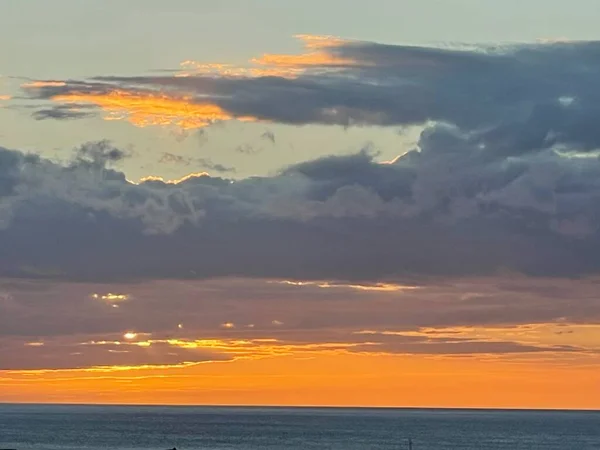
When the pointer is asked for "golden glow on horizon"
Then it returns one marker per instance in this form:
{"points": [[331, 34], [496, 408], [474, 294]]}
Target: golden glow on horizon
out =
{"points": [[323, 379], [274, 371]]}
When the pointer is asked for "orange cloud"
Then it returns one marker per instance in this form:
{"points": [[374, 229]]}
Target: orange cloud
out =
{"points": [[149, 109], [317, 55]]}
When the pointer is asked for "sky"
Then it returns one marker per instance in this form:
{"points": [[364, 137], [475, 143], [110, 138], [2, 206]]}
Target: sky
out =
{"points": [[247, 202]]}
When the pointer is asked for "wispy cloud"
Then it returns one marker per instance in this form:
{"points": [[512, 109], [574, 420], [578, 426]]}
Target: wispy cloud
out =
{"points": [[205, 163]]}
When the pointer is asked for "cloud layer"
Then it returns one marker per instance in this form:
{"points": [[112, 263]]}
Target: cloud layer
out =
{"points": [[443, 209], [49, 325]]}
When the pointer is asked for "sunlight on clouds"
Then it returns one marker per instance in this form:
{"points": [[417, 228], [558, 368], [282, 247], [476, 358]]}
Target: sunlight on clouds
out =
{"points": [[144, 109], [277, 65], [185, 112], [111, 298], [580, 335], [194, 68], [586, 337], [378, 287], [243, 348], [187, 177], [318, 56], [100, 369], [42, 84]]}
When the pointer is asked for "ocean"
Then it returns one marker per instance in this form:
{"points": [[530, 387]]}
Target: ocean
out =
{"points": [[52, 427]]}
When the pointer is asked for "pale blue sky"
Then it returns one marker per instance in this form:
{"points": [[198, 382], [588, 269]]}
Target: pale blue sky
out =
{"points": [[76, 38]]}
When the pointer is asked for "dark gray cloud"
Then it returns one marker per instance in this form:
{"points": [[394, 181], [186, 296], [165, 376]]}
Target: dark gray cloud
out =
{"points": [[443, 209], [64, 112]]}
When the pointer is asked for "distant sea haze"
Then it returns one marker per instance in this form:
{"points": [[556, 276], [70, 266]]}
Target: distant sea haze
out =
{"points": [[54, 427]]}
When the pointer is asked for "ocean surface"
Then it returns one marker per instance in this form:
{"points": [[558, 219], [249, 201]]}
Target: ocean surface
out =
{"points": [[49, 427]]}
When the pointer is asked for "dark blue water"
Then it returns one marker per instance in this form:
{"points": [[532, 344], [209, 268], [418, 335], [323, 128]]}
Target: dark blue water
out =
{"points": [[34, 427]]}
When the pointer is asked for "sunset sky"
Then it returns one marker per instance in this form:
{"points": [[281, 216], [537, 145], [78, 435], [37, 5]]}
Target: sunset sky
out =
{"points": [[267, 202]]}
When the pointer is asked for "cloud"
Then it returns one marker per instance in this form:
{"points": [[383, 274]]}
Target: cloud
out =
{"points": [[504, 175], [444, 209], [520, 98], [57, 355], [56, 325], [492, 219], [64, 112], [269, 136], [205, 163]]}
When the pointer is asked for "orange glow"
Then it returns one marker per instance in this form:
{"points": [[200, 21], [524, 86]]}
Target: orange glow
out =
{"points": [[322, 379], [270, 371], [317, 56], [277, 65], [5, 97], [148, 109]]}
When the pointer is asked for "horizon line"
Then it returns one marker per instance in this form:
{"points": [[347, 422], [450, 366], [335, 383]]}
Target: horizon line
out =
{"points": [[259, 406]]}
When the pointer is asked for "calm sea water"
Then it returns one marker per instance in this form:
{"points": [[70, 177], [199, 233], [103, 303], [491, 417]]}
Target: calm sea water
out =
{"points": [[34, 427]]}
